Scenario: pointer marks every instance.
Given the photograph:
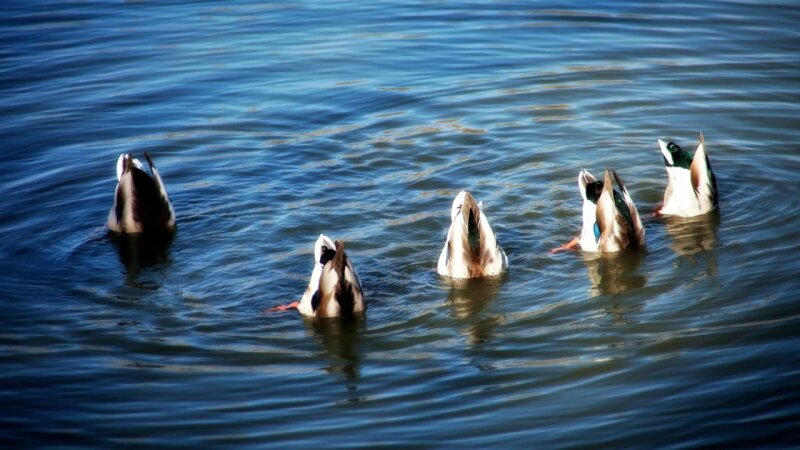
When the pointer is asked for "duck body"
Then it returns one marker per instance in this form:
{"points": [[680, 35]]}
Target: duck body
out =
{"points": [[611, 222], [334, 289], [141, 202], [691, 186], [471, 249]]}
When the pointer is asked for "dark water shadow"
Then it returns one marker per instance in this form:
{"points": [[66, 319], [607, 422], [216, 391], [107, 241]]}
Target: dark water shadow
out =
{"points": [[139, 252], [468, 300], [620, 311], [614, 273], [340, 340]]}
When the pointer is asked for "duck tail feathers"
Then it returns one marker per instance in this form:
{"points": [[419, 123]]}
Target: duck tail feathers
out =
{"points": [[584, 179], [471, 213], [348, 289], [121, 162], [324, 250], [704, 182], [621, 185], [606, 210], [127, 162], [608, 187], [668, 161], [339, 260], [157, 177], [636, 221], [168, 209]]}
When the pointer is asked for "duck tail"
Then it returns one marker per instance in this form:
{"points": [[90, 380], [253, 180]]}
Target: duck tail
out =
{"points": [[472, 215], [157, 177], [703, 180], [166, 210], [606, 209], [587, 184], [666, 154], [122, 162], [636, 221], [344, 289], [339, 260], [122, 196], [126, 162]]}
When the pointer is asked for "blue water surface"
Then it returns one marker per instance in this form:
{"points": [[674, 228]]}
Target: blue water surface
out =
{"points": [[272, 122]]}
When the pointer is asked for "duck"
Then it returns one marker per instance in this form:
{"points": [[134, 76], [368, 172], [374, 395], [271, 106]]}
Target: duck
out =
{"points": [[141, 202], [611, 222], [691, 187], [471, 249], [334, 289]]}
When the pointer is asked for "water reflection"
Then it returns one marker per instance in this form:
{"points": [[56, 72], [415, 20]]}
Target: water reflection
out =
{"points": [[619, 312], [693, 235], [469, 298], [614, 273], [139, 252], [694, 240], [339, 340]]}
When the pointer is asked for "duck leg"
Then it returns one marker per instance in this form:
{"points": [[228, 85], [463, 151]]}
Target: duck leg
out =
{"points": [[657, 211], [573, 245], [292, 305]]}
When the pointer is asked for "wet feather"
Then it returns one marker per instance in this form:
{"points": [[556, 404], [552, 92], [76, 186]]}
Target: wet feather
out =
{"points": [[471, 249]]}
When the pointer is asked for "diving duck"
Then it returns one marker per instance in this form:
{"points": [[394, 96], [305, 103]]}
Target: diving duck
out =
{"points": [[334, 289], [141, 203], [610, 220], [692, 186], [471, 249]]}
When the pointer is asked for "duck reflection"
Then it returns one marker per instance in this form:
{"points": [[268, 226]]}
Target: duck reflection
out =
{"points": [[614, 273], [694, 239], [468, 298], [140, 251], [339, 340], [693, 235]]}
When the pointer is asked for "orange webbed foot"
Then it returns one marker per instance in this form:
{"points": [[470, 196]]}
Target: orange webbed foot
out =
{"points": [[571, 245], [292, 305]]}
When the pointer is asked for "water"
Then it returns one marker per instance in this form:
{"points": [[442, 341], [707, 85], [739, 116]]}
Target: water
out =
{"points": [[273, 122]]}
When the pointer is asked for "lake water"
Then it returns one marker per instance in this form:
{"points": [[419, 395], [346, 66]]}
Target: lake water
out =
{"points": [[274, 122]]}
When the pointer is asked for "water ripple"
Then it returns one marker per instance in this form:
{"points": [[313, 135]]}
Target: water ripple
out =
{"points": [[274, 122]]}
